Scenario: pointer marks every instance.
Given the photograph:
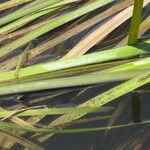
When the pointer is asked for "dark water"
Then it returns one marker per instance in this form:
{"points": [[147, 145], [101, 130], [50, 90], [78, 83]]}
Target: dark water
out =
{"points": [[122, 138], [112, 139], [132, 107]]}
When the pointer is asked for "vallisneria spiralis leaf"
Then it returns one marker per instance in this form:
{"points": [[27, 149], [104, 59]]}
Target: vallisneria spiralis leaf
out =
{"points": [[54, 111], [62, 37], [135, 65], [94, 78], [98, 57], [13, 3], [18, 14], [4, 125], [49, 26], [24, 20], [79, 28]]}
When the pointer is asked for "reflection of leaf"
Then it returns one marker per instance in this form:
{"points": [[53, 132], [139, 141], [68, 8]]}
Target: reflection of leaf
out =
{"points": [[116, 114], [137, 138]]}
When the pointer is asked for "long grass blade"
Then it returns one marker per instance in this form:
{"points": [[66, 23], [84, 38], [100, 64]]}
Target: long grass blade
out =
{"points": [[67, 82], [100, 33], [17, 24], [19, 14], [54, 111], [52, 25], [98, 57], [65, 131], [13, 3]]}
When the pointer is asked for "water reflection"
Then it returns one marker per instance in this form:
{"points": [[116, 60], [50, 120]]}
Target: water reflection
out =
{"points": [[136, 108]]}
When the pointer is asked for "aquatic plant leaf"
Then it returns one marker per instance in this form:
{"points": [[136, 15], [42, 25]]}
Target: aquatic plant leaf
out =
{"points": [[98, 57], [53, 111]]}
